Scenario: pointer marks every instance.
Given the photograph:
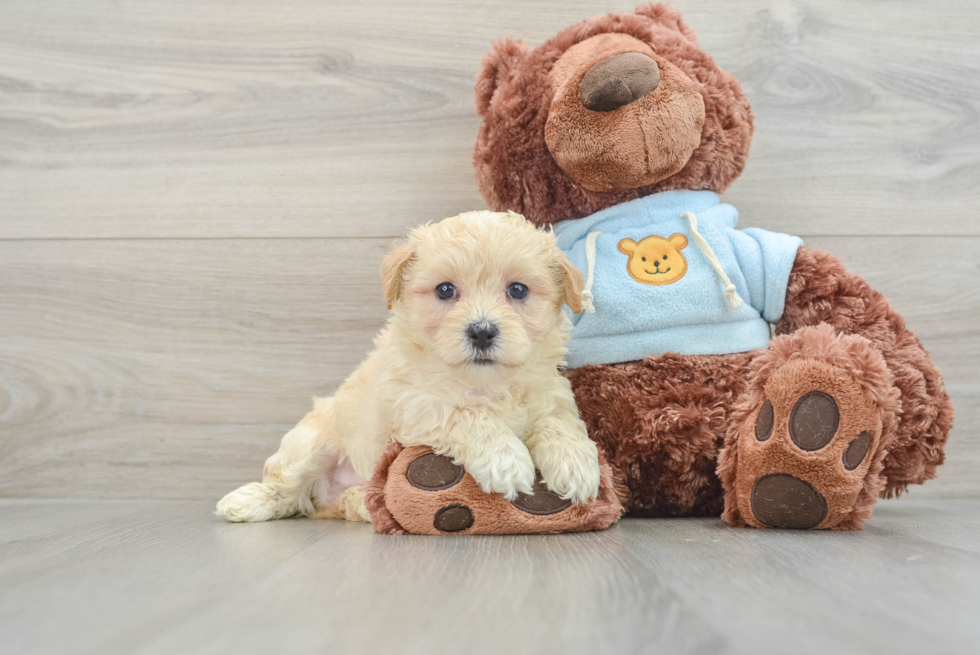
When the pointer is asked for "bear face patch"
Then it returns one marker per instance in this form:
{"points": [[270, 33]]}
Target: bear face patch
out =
{"points": [[655, 260]]}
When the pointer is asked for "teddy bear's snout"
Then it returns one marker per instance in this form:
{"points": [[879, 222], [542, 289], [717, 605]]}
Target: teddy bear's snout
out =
{"points": [[618, 80]]}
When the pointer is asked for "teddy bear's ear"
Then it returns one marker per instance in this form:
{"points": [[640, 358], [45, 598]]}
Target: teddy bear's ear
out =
{"points": [[503, 57], [627, 246], [668, 17], [678, 240], [393, 270]]}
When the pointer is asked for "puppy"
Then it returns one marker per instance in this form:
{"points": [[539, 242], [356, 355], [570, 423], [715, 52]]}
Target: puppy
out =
{"points": [[467, 364]]}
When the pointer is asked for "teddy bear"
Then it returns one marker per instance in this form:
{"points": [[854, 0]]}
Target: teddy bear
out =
{"points": [[722, 371]]}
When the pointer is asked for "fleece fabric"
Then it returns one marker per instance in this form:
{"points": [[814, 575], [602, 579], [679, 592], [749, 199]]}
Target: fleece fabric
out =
{"points": [[654, 288], [399, 507]]}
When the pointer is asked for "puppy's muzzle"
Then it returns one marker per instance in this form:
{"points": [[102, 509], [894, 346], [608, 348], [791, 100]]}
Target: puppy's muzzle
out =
{"points": [[482, 335]]}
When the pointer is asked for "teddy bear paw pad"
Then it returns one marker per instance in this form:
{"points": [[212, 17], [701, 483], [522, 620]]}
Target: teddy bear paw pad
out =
{"points": [[781, 500], [804, 453], [543, 501], [432, 472], [453, 518]]}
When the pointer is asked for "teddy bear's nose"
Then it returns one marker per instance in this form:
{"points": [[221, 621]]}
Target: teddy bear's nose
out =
{"points": [[657, 264], [618, 80]]}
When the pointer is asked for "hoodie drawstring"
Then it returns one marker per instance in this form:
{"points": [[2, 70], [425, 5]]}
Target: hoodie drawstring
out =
{"points": [[587, 304], [734, 300]]}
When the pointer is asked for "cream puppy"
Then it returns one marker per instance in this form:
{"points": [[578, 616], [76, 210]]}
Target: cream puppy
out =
{"points": [[467, 364]]}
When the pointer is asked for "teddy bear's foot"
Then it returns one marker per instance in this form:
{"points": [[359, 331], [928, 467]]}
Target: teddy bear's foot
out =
{"points": [[416, 491], [804, 454], [808, 454]]}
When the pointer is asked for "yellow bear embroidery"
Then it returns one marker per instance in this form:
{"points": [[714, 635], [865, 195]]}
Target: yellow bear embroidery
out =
{"points": [[655, 260]]}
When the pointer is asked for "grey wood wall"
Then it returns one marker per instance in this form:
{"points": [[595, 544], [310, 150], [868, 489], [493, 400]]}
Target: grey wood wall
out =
{"points": [[194, 197]]}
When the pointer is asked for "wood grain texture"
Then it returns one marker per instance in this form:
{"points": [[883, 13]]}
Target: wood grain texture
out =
{"points": [[194, 197], [244, 118], [171, 369], [148, 577], [125, 362]]}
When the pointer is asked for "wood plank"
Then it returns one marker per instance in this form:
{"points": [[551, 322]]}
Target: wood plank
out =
{"points": [[313, 118], [166, 577], [171, 351], [171, 369]]}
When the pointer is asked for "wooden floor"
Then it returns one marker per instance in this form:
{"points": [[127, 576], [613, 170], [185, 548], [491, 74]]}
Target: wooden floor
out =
{"points": [[168, 577]]}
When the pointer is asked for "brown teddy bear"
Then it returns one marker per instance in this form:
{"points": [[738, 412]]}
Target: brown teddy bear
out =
{"points": [[619, 131]]}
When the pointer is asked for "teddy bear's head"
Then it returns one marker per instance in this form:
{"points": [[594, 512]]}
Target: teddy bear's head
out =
{"points": [[614, 108]]}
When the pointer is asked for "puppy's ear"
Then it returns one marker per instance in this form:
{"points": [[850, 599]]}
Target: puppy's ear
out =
{"points": [[393, 270], [572, 281]]}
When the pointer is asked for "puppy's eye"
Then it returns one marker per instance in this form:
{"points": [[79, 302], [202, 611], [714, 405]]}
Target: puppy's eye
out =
{"points": [[446, 291], [517, 291]]}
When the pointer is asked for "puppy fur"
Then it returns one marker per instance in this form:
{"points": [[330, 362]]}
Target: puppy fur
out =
{"points": [[499, 412]]}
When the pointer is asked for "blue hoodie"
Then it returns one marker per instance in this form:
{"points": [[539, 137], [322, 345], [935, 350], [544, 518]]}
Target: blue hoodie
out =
{"points": [[670, 273]]}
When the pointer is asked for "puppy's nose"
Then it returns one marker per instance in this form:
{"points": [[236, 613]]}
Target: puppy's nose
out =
{"points": [[482, 335], [618, 80]]}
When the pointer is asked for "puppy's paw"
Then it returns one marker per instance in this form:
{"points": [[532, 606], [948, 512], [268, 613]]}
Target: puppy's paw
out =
{"points": [[351, 504], [569, 467], [250, 503], [505, 468]]}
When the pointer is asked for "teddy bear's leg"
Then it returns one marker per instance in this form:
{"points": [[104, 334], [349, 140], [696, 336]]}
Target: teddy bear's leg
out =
{"points": [[415, 490], [822, 290], [807, 443], [661, 423]]}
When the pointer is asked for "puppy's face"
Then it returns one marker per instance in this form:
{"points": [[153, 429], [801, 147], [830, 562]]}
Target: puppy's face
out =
{"points": [[481, 293]]}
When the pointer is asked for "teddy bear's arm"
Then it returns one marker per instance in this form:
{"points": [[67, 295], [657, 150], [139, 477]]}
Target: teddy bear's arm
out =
{"points": [[822, 290]]}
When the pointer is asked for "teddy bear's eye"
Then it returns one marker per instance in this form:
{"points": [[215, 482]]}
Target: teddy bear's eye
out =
{"points": [[446, 291], [665, 257], [644, 258]]}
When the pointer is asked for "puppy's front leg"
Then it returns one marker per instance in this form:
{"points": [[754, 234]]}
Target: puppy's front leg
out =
{"points": [[561, 448], [489, 451]]}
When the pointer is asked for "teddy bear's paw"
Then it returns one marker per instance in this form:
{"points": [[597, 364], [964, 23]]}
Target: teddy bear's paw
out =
{"points": [[427, 493], [804, 453]]}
